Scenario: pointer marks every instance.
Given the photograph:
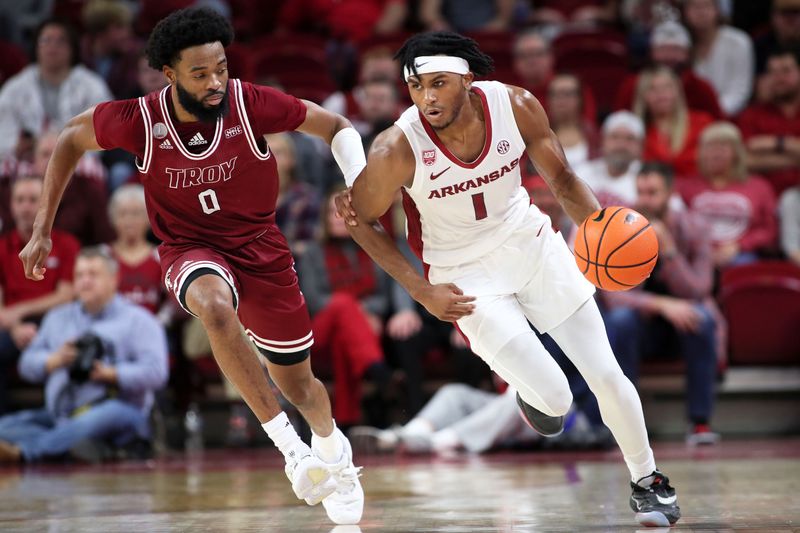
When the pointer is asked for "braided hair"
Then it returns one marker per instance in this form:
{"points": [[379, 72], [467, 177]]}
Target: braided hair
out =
{"points": [[447, 43]]}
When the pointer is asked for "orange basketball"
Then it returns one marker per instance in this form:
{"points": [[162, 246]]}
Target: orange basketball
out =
{"points": [[616, 248]]}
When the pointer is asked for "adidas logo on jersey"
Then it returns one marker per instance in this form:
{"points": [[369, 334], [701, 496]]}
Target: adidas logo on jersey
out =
{"points": [[166, 145], [197, 140]]}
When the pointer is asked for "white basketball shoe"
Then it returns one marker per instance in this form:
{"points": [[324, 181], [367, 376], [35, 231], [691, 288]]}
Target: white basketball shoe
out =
{"points": [[311, 478], [346, 504]]}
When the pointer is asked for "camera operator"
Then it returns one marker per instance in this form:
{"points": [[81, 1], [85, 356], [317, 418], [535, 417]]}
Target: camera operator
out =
{"points": [[101, 358]]}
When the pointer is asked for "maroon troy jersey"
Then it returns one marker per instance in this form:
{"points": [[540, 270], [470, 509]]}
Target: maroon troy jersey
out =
{"points": [[208, 184]]}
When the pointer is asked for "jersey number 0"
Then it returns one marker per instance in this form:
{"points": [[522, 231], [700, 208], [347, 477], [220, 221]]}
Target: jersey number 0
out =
{"points": [[208, 201]]}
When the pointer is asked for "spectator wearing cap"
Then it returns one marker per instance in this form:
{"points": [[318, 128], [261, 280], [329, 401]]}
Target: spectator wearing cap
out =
{"points": [[723, 55], [53, 90], [671, 47], [772, 129], [612, 176]]}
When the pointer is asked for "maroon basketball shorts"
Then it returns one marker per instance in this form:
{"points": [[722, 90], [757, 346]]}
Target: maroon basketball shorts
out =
{"points": [[264, 287]]}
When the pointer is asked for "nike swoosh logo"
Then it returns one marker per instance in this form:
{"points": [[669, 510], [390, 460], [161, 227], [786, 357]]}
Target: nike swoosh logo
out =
{"points": [[667, 501], [418, 65], [434, 176]]}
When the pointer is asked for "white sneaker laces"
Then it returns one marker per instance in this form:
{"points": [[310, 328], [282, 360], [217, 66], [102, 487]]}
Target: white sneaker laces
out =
{"points": [[349, 476]]}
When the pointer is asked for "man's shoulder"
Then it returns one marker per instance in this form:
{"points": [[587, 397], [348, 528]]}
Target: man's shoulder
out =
{"points": [[83, 74], [60, 313], [134, 313], [20, 81], [735, 35]]}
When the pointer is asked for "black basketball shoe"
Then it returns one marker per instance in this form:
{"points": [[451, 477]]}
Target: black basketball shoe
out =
{"points": [[656, 505], [546, 426]]}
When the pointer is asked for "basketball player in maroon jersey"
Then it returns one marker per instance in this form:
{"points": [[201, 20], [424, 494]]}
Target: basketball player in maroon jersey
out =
{"points": [[211, 185], [492, 263]]}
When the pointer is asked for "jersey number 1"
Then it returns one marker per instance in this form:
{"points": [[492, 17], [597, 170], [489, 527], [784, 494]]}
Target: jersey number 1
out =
{"points": [[208, 201], [479, 205]]}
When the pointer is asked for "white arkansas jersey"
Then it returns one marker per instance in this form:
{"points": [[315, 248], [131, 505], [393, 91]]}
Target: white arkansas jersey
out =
{"points": [[456, 211]]}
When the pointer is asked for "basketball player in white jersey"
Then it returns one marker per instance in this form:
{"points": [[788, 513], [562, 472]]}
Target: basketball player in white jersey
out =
{"points": [[492, 261]]}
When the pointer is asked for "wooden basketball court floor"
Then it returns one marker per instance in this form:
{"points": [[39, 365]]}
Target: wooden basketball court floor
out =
{"points": [[736, 486]]}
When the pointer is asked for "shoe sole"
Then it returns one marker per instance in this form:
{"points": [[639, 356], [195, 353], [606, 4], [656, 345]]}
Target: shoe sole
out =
{"points": [[315, 487], [652, 519]]}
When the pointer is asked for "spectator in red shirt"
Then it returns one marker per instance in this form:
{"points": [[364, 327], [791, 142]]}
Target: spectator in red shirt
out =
{"points": [[24, 301], [348, 297], [671, 47], [772, 130], [347, 20], [139, 268], [83, 211], [672, 128], [738, 209]]}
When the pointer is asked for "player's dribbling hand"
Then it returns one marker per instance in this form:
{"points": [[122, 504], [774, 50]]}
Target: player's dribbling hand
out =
{"points": [[344, 207], [34, 255], [447, 302]]}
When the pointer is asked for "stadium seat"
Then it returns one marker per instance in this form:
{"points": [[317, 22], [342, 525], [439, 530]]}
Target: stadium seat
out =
{"points": [[600, 59], [240, 63], [302, 72], [761, 303], [497, 45], [12, 60]]}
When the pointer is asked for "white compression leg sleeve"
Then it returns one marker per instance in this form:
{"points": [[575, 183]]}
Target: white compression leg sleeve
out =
{"points": [[583, 338], [528, 367]]}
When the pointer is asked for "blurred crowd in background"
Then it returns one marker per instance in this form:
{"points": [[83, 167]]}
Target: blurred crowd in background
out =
{"points": [[684, 109]]}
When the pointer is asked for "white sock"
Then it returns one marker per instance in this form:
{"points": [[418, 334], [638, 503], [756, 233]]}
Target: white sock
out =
{"points": [[418, 426], [444, 440], [641, 465], [282, 433], [330, 448]]}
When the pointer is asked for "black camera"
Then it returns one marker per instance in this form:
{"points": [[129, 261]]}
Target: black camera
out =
{"points": [[90, 348]]}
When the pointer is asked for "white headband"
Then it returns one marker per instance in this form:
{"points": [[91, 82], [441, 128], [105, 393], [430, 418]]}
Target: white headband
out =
{"points": [[428, 64]]}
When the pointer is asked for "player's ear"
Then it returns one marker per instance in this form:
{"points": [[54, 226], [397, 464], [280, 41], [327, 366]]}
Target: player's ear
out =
{"points": [[170, 73], [467, 80]]}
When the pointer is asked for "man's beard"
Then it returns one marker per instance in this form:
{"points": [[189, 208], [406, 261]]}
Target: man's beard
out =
{"points": [[618, 163], [198, 109]]}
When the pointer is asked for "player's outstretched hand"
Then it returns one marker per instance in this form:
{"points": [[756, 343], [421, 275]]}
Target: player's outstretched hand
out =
{"points": [[344, 207], [34, 255], [447, 302]]}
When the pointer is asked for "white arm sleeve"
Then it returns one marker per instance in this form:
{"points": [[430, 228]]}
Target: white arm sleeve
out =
{"points": [[349, 154]]}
